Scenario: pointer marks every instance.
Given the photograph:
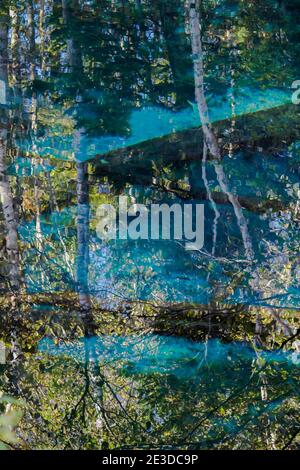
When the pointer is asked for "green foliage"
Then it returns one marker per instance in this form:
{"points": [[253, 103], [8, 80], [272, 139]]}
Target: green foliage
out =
{"points": [[114, 81]]}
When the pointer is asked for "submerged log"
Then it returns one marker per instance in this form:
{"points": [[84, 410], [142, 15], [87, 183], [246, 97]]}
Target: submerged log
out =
{"points": [[268, 131]]}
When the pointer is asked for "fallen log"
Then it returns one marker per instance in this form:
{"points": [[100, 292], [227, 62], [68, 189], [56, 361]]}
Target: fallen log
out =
{"points": [[266, 131]]}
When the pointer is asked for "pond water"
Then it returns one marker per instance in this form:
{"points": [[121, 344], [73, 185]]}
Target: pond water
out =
{"points": [[142, 343]]}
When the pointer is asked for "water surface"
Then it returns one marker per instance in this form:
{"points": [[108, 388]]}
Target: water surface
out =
{"points": [[142, 343]]}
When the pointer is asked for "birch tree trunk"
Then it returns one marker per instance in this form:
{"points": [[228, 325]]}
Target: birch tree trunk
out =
{"points": [[209, 137], [6, 197], [211, 141]]}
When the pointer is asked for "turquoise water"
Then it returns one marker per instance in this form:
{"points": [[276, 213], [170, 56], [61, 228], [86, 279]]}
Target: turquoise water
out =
{"points": [[165, 355], [125, 344], [192, 394], [151, 270], [154, 122]]}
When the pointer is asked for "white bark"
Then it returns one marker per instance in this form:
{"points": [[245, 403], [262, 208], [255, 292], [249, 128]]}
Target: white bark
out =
{"points": [[212, 145], [197, 51], [11, 222], [241, 219], [6, 197], [209, 136], [211, 200]]}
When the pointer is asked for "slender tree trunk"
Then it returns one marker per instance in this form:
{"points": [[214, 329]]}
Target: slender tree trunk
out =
{"points": [[83, 211], [209, 136], [83, 220], [212, 145], [31, 39], [42, 36], [197, 51], [14, 45], [211, 200], [33, 118], [10, 216], [241, 219]]}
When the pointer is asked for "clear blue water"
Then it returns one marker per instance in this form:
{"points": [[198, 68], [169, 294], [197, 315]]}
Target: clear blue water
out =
{"points": [[164, 354], [142, 343], [153, 122]]}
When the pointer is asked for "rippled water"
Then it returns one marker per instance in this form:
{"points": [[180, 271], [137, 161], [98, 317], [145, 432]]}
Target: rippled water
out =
{"points": [[142, 343]]}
